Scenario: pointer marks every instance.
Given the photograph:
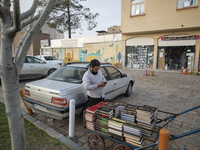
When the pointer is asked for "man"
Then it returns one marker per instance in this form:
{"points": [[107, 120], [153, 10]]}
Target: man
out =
{"points": [[94, 82]]}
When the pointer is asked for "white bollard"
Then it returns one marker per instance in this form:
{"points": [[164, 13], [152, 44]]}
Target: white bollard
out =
{"points": [[72, 104]]}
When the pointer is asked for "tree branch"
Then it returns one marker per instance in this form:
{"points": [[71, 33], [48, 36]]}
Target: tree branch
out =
{"points": [[31, 11], [20, 45], [33, 33], [16, 18], [5, 8], [31, 20], [2, 11]]}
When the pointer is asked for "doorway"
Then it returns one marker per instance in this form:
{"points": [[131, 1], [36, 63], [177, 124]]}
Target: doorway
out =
{"points": [[176, 57]]}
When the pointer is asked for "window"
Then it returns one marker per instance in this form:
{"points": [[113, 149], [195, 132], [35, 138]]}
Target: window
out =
{"points": [[30, 59], [186, 3], [104, 73], [137, 7], [114, 73], [50, 58], [68, 74]]}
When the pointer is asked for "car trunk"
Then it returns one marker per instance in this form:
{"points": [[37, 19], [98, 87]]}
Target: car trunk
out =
{"points": [[43, 90]]}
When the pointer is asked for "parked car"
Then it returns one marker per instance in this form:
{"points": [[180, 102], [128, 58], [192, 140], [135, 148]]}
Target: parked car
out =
{"points": [[35, 67], [50, 59], [51, 96]]}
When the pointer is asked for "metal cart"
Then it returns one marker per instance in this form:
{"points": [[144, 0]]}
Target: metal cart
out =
{"points": [[96, 138]]}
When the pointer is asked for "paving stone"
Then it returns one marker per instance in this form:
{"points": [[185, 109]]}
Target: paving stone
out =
{"points": [[86, 146], [83, 139], [192, 147], [80, 133]]}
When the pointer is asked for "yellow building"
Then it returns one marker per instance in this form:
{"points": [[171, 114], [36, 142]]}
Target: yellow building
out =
{"points": [[162, 34]]}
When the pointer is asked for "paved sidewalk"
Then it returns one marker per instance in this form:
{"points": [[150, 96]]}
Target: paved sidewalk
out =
{"points": [[170, 92]]}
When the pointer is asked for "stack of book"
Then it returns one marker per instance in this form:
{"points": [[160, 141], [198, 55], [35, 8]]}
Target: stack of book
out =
{"points": [[90, 117], [132, 134], [115, 128], [102, 124], [113, 106], [146, 118], [103, 114], [128, 115]]}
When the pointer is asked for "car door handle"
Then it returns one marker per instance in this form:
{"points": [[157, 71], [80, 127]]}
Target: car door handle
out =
{"points": [[115, 83]]}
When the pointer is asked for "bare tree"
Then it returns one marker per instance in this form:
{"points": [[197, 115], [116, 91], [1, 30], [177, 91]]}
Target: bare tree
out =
{"points": [[11, 23]]}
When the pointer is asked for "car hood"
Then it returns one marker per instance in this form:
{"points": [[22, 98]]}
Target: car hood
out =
{"points": [[59, 87]]}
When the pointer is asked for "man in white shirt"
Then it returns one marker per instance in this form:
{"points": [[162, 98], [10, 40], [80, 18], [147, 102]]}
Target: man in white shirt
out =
{"points": [[94, 82]]}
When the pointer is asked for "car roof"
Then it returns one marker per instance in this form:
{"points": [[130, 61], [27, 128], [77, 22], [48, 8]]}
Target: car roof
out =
{"points": [[43, 55], [84, 64]]}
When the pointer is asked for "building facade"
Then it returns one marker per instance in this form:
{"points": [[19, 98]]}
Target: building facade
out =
{"points": [[105, 48], [161, 34]]}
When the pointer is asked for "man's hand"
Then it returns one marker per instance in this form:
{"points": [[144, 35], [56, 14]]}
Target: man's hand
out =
{"points": [[102, 84]]}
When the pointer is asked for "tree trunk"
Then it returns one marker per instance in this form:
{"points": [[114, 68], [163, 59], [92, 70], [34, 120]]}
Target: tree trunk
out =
{"points": [[69, 20], [10, 85]]}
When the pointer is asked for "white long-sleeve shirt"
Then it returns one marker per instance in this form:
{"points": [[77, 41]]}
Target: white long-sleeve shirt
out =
{"points": [[91, 82]]}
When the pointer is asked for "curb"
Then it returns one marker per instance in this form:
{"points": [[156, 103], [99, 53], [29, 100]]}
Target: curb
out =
{"points": [[51, 132]]}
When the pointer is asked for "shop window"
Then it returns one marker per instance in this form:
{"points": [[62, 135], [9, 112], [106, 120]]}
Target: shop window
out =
{"points": [[137, 7], [139, 57], [186, 3]]}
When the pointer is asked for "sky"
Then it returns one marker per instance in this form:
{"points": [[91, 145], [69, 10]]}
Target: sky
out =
{"points": [[109, 10]]}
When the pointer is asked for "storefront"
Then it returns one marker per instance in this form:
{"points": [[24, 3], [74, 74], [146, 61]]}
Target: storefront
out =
{"points": [[139, 52], [175, 52]]}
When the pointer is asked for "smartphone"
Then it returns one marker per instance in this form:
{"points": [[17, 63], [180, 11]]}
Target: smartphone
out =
{"points": [[105, 83]]}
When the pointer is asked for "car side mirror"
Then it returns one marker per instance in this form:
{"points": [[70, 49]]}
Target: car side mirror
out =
{"points": [[42, 62], [124, 75]]}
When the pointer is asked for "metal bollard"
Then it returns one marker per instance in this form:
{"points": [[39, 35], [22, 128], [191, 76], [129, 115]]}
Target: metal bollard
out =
{"points": [[163, 139], [72, 104]]}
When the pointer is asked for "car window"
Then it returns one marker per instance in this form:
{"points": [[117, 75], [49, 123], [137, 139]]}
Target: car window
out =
{"points": [[49, 58], [105, 73], [114, 73], [68, 74], [33, 60]]}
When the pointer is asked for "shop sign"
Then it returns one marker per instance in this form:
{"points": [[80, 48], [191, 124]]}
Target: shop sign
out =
{"points": [[193, 37]]}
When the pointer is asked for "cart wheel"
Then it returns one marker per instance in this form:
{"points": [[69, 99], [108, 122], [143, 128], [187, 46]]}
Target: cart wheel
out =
{"points": [[95, 142], [121, 147]]}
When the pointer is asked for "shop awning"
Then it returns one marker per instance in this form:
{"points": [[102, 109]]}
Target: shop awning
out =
{"points": [[140, 41], [183, 40]]}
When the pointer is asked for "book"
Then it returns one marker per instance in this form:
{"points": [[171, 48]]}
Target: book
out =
{"points": [[92, 109], [133, 143], [126, 135], [101, 104], [90, 117], [115, 132]]}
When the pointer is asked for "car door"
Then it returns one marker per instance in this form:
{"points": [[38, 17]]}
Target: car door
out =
{"points": [[34, 67], [109, 86], [119, 82]]}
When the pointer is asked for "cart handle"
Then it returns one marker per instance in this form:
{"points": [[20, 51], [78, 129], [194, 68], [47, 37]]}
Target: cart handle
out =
{"points": [[185, 134], [175, 115]]}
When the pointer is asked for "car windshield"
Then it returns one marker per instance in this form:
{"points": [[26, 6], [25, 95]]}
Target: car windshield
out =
{"points": [[50, 58], [68, 74]]}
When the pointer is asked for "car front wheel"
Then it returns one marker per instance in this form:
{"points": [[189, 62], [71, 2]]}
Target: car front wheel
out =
{"points": [[51, 71], [129, 90]]}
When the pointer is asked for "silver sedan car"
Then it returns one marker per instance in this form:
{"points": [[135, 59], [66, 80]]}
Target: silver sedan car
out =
{"points": [[51, 96]]}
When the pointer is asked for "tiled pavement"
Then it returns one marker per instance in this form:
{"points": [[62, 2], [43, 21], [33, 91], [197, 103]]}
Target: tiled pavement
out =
{"points": [[170, 92]]}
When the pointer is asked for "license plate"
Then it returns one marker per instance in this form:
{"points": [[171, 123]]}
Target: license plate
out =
{"points": [[40, 107]]}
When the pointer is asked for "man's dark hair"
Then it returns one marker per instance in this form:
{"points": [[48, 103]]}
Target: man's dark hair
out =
{"points": [[94, 63]]}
